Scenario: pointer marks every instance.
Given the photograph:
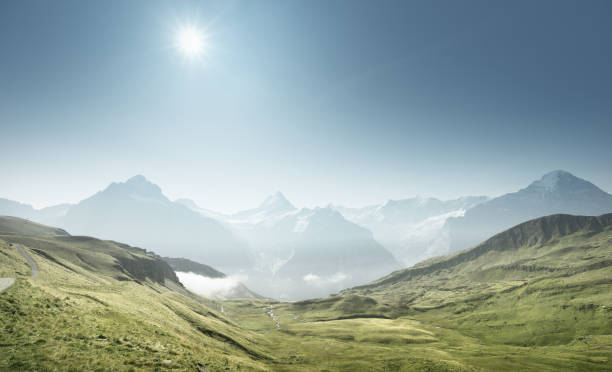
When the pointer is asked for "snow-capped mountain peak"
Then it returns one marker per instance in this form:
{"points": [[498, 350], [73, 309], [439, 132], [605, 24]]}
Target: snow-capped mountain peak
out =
{"points": [[137, 187], [277, 203], [561, 181], [273, 207]]}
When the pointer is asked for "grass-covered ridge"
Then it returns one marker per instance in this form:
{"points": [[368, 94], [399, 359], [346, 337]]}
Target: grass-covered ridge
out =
{"points": [[535, 233], [101, 305], [560, 248], [14, 225], [536, 297]]}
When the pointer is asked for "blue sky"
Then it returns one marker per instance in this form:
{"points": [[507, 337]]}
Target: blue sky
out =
{"points": [[351, 102]]}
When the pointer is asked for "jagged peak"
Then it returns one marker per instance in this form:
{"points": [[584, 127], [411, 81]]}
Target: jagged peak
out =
{"points": [[560, 180], [141, 182], [551, 179], [277, 201], [273, 206], [136, 186], [139, 178]]}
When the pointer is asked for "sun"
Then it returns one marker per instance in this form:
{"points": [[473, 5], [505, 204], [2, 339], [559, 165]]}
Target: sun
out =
{"points": [[190, 41]]}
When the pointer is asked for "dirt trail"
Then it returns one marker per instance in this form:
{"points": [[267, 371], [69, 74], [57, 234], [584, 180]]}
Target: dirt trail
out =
{"points": [[33, 264], [6, 283]]}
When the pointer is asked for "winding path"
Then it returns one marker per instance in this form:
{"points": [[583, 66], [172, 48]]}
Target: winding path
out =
{"points": [[6, 283], [33, 264]]}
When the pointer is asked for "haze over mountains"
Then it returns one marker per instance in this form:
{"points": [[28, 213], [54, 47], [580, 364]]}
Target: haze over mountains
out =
{"points": [[317, 251], [534, 297], [137, 212], [273, 207], [302, 253], [556, 192], [411, 228], [285, 252]]}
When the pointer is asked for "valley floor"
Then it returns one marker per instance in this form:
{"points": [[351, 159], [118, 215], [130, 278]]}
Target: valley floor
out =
{"points": [[408, 343]]}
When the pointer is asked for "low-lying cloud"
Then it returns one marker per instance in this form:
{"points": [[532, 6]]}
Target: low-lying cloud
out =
{"points": [[213, 288], [311, 278]]}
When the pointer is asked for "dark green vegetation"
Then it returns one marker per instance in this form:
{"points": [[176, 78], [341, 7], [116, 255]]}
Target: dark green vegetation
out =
{"points": [[535, 297], [185, 265]]}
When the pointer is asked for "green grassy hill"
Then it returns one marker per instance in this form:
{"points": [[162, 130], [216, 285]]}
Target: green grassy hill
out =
{"points": [[102, 305], [560, 248], [535, 297], [15, 225]]}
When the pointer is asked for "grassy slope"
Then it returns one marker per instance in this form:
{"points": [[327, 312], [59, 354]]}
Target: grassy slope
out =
{"points": [[537, 298], [88, 311], [12, 225]]}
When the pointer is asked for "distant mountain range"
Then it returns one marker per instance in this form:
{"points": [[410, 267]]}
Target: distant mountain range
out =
{"points": [[301, 253], [136, 212], [282, 251], [273, 207], [312, 252], [322, 251], [48, 215], [555, 192], [555, 246], [411, 228]]}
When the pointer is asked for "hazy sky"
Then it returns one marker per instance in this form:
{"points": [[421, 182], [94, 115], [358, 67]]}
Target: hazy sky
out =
{"points": [[347, 101]]}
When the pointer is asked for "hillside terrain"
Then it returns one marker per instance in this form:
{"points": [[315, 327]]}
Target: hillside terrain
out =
{"points": [[535, 297], [102, 305], [15, 225], [186, 265]]}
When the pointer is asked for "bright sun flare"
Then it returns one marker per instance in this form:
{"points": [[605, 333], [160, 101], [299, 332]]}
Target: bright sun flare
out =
{"points": [[190, 41]]}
